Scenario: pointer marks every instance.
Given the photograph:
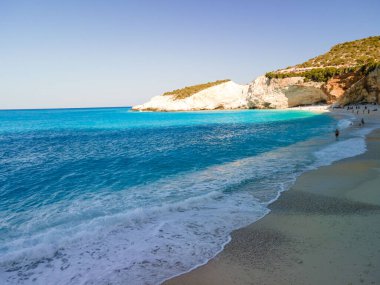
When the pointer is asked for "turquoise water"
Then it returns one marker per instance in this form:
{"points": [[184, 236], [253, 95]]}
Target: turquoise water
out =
{"points": [[111, 196]]}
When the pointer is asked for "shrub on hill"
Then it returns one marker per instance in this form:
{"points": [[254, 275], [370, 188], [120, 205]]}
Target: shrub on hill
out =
{"points": [[349, 53], [324, 74], [357, 56], [191, 90]]}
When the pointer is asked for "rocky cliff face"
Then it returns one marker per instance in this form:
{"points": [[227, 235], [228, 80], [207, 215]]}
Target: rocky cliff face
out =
{"points": [[229, 95], [365, 89], [347, 88], [274, 93], [336, 87], [348, 73], [264, 93]]}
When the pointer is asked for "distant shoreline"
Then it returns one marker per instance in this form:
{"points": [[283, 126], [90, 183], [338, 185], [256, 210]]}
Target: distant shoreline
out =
{"points": [[305, 108], [66, 108]]}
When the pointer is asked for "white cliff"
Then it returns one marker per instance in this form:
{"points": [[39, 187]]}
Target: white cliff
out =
{"points": [[264, 93], [274, 93], [348, 73], [228, 95]]}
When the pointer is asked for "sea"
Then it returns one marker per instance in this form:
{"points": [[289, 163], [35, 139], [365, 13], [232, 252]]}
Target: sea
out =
{"points": [[113, 196]]}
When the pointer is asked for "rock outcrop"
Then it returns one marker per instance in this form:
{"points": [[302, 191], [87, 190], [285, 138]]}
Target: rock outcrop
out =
{"points": [[366, 89], [274, 93], [264, 93], [348, 73], [228, 95], [336, 87]]}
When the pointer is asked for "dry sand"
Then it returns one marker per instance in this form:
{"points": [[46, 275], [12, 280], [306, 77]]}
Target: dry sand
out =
{"points": [[324, 230], [312, 108]]}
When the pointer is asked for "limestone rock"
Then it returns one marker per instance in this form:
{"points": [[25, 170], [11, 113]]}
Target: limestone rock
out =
{"points": [[229, 95], [275, 93], [283, 93]]}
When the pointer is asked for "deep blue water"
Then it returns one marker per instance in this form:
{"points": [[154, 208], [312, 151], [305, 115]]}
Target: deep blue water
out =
{"points": [[112, 196]]}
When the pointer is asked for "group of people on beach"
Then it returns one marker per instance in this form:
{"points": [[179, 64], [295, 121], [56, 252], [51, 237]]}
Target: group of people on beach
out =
{"points": [[357, 107]]}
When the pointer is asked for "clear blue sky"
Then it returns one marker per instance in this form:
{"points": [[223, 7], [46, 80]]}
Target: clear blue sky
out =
{"points": [[119, 53]]}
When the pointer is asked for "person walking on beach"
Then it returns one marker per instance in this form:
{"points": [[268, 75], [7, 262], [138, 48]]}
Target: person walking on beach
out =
{"points": [[362, 121], [336, 134]]}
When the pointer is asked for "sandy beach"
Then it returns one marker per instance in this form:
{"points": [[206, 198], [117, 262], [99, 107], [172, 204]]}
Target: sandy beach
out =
{"points": [[324, 230]]}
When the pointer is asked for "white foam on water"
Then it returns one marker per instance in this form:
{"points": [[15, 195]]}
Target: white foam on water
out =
{"points": [[143, 246], [344, 124], [344, 148], [340, 150], [146, 234]]}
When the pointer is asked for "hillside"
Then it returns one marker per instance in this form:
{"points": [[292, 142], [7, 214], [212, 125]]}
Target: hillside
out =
{"points": [[348, 73], [191, 90], [359, 57], [353, 53]]}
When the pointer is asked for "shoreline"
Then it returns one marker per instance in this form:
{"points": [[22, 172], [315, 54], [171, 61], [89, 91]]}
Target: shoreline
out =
{"points": [[312, 108], [250, 257]]}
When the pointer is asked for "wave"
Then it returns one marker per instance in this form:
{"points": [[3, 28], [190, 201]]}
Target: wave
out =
{"points": [[345, 148], [141, 246], [146, 234], [344, 124], [340, 150]]}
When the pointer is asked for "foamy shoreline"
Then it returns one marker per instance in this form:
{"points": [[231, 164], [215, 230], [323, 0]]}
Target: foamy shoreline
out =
{"points": [[373, 117], [227, 267]]}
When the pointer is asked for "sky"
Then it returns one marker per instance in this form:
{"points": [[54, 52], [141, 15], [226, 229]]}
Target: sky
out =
{"points": [[91, 53]]}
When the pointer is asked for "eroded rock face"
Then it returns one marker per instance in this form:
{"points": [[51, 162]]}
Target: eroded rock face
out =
{"points": [[275, 93], [282, 93], [366, 89], [336, 87], [344, 89], [229, 95]]}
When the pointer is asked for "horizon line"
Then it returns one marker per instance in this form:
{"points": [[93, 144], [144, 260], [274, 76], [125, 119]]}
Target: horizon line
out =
{"points": [[63, 108]]}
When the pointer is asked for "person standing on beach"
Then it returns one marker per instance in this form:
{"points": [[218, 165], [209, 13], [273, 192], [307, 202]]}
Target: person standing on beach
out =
{"points": [[336, 133]]}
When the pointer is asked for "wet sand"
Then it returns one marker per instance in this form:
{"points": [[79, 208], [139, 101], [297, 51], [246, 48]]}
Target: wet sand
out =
{"points": [[324, 230]]}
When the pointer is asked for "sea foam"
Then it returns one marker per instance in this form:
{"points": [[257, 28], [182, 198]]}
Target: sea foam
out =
{"points": [[140, 205], [107, 242], [146, 245]]}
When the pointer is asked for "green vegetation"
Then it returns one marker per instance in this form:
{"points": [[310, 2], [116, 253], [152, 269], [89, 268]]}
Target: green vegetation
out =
{"points": [[188, 91], [353, 53], [324, 74], [361, 56], [371, 66], [316, 74]]}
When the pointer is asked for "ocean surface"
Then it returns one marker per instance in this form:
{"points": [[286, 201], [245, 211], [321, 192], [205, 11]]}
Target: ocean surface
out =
{"points": [[111, 196]]}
